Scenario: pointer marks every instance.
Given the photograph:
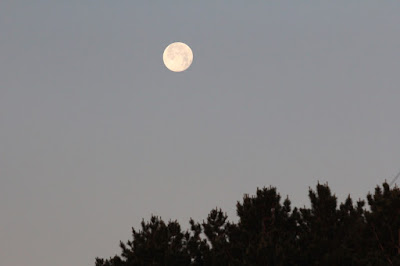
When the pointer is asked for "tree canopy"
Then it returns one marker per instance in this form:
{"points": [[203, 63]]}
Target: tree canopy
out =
{"points": [[270, 232]]}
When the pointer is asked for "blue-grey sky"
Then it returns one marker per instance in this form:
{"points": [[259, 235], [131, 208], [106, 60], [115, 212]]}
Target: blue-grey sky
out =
{"points": [[96, 134]]}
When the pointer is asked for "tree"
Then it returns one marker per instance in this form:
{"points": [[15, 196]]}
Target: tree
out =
{"points": [[266, 229], [156, 244], [271, 233], [383, 221]]}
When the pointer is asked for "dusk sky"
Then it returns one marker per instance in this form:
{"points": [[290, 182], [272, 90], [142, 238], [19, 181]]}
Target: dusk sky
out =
{"points": [[97, 134]]}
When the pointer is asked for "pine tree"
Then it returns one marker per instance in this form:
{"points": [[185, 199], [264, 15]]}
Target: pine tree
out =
{"points": [[271, 233], [156, 244], [384, 225], [266, 229]]}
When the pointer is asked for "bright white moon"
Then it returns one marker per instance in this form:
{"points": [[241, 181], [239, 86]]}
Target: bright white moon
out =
{"points": [[178, 57]]}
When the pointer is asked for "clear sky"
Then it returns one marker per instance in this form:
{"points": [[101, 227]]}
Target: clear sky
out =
{"points": [[96, 134]]}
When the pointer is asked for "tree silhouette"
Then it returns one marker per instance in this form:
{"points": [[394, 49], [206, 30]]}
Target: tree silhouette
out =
{"points": [[271, 233], [383, 222]]}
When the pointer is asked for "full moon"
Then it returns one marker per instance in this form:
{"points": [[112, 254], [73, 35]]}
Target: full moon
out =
{"points": [[178, 57]]}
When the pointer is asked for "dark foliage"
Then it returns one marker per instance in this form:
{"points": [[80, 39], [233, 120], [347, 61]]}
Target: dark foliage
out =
{"points": [[271, 233]]}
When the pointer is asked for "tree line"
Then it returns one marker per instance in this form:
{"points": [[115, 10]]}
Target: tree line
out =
{"points": [[270, 232]]}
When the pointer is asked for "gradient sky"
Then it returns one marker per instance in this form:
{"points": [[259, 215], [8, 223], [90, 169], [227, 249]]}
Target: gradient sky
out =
{"points": [[96, 134]]}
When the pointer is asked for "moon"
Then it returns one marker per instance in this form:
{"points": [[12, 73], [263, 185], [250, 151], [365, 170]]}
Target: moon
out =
{"points": [[178, 57]]}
